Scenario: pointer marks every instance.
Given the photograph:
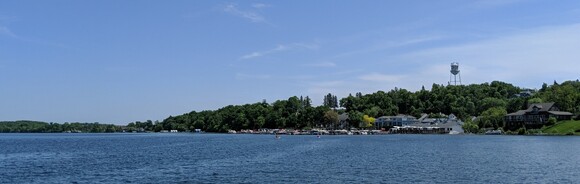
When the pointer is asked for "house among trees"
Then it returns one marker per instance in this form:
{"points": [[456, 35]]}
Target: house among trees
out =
{"points": [[343, 121], [536, 115], [525, 93]]}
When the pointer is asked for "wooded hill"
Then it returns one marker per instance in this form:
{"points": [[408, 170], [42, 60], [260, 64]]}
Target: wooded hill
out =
{"points": [[488, 101]]}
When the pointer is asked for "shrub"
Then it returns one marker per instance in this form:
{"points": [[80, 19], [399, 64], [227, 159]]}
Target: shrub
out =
{"points": [[551, 121], [534, 131], [522, 131]]}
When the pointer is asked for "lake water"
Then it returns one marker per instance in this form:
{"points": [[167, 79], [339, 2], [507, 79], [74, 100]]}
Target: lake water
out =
{"points": [[221, 158]]}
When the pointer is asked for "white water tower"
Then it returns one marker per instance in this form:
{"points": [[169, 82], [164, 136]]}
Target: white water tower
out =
{"points": [[454, 73]]}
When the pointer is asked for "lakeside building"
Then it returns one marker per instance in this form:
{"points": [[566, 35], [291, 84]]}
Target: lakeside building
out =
{"points": [[398, 120], [419, 130], [536, 115], [451, 121], [448, 125]]}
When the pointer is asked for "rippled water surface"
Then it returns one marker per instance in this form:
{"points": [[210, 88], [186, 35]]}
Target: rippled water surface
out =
{"points": [[220, 158]]}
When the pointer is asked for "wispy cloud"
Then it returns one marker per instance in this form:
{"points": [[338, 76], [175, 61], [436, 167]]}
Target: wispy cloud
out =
{"points": [[341, 88], [377, 77], [321, 64], [526, 58], [328, 83], [6, 32], [494, 3], [7, 19], [324, 87], [244, 76], [263, 53], [530, 57], [339, 83], [260, 5], [249, 15], [390, 45], [300, 77], [311, 46], [279, 48], [306, 79]]}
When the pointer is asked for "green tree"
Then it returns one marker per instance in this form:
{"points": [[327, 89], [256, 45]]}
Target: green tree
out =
{"points": [[330, 101], [470, 127], [330, 118], [369, 121], [492, 118], [535, 100], [355, 118], [490, 102], [551, 121]]}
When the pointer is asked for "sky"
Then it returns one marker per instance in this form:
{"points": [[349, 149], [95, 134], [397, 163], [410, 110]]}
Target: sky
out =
{"points": [[116, 62]]}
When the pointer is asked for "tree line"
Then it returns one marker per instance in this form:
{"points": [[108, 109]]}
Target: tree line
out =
{"points": [[295, 112], [44, 127], [490, 102]]}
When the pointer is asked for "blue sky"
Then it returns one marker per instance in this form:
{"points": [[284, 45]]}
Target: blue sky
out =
{"points": [[121, 61]]}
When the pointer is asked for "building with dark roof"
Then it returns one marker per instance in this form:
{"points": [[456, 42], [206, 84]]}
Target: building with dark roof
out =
{"points": [[536, 115], [343, 121]]}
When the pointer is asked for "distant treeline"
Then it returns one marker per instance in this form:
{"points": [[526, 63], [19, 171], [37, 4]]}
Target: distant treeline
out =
{"points": [[488, 101], [43, 127]]}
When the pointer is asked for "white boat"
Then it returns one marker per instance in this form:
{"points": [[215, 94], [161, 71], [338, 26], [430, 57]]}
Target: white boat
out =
{"points": [[493, 132]]}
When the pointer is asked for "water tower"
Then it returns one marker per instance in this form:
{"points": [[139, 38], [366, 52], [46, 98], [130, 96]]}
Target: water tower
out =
{"points": [[454, 73]]}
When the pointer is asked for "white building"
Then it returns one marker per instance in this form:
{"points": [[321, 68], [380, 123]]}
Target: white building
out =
{"points": [[391, 121]]}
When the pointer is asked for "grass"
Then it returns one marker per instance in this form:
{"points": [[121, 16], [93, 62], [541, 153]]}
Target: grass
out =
{"points": [[570, 127]]}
